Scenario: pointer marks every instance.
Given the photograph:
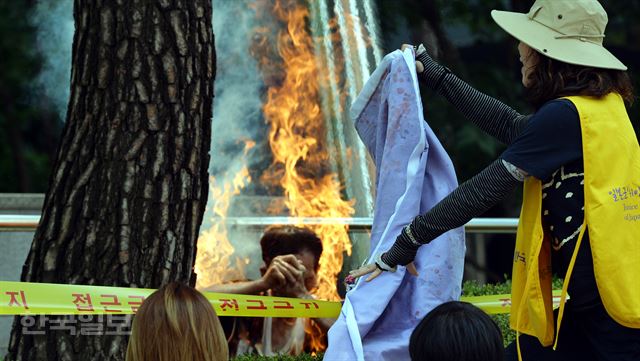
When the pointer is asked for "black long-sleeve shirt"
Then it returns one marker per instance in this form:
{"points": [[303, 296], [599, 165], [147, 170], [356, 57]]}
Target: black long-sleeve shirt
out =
{"points": [[546, 145]]}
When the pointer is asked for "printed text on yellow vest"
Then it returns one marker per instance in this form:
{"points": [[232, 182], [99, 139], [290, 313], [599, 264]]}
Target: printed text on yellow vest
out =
{"points": [[612, 217]]}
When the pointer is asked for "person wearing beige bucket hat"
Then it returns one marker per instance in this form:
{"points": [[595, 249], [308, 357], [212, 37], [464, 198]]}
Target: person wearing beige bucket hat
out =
{"points": [[577, 156], [571, 31]]}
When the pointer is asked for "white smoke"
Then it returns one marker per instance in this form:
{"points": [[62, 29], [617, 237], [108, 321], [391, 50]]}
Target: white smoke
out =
{"points": [[237, 112], [54, 21], [237, 103]]}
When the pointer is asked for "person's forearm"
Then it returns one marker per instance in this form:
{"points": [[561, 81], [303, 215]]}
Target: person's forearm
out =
{"points": [[471, 199], [241, 288], [489, 114]]}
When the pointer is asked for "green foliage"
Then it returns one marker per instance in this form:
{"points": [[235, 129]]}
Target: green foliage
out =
{"points": [[508, 335], [473, 288], [474, 15], [27, 123]]}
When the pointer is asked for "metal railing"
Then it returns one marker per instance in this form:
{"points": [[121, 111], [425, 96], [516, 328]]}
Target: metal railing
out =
{"points": [[12, 222]]}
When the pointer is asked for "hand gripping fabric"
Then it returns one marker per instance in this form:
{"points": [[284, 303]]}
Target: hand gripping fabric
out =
{"points": [[413, 173]]}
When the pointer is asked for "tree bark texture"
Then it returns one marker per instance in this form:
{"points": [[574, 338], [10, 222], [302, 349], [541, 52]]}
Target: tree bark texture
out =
{"points": [[130, 182]]}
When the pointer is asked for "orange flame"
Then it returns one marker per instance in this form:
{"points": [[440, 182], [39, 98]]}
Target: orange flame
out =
{"points": [[300, 156], [214, 256], [301, 159], [296, 140]]}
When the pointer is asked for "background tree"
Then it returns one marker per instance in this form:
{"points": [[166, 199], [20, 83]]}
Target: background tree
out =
{"points": [[29, 128], [129, 185]]}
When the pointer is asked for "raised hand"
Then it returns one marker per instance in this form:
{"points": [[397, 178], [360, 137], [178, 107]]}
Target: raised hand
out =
{"points": [[419, 65], [375, 269], [283, 270]]}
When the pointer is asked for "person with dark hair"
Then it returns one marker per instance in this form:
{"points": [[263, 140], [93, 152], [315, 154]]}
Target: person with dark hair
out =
{"points": [[291, 258], [578, 157], [285, 242], [456, 331]]}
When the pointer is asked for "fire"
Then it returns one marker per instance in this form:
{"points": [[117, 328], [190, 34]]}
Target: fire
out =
{"points": [[214, 257], [296, 138], [301, 160]]}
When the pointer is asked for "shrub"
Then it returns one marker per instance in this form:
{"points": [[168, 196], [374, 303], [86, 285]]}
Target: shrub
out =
{"points": [[473, 288]]}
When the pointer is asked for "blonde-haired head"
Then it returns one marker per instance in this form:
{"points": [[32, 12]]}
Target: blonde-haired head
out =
{"points": [[177, 323]]}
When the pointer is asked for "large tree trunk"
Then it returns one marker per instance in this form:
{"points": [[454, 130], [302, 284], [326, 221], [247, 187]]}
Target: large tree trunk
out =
{"points": [[129, 186]]}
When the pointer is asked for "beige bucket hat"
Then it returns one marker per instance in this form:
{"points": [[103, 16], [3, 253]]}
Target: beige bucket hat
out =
{"points": [[570, 31]]}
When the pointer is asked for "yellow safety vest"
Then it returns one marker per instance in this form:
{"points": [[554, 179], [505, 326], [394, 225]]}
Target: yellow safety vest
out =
{"points": [[611, 214]]}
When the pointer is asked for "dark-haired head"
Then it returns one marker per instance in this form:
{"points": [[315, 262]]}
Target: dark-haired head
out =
{"points": [[550, 79], [298, 241], [456, 331]]}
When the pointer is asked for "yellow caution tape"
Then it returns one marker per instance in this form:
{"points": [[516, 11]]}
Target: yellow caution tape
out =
{"points": [[497, 304], [23, 298]]}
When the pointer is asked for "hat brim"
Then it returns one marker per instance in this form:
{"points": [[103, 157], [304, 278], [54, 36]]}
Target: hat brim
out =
{"points": [[543, 39]]}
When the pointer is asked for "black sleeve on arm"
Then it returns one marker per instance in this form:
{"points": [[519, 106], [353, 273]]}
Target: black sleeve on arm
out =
{"points": [[551, 139], [489, 114], [470, 199]]}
